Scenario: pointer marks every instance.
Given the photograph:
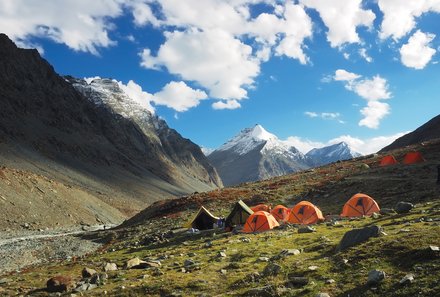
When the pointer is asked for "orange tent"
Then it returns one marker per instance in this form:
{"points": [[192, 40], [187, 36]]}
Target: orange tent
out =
{"points": [[260, 221], [388, 160], [360, 205], [305, 213], [280, 213], [261, 207], [413, 157]]}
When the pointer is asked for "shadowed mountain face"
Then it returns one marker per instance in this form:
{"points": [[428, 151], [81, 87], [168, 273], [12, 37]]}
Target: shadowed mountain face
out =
{"points": [[48, 127], [428, 131]]}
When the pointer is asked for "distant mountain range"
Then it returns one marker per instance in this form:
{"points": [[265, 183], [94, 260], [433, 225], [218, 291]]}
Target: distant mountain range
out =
{"points": [[255, 154]]}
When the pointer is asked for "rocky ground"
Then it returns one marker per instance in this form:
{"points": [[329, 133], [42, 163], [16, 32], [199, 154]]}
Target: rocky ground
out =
{"points": [[150, 255]]}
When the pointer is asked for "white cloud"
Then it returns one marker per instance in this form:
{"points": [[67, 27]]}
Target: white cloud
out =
{"points": [[364, 146], [82, 25], [363, 53], [373, 90], [215, 59], [342, 18], [400, 18], [135, 92], [228, 104], [325, 116], [344, 75], [179, 96], [143, 14], [417, 52]]}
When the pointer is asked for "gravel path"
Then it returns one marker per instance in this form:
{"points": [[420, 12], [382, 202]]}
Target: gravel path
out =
{"points": [[22, 250]]}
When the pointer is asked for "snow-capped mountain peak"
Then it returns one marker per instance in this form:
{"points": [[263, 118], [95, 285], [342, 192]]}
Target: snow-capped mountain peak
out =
{"points": [[332, 153]]}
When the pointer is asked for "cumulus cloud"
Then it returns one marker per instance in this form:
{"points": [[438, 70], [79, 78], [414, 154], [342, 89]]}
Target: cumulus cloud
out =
{"points": [[325, 116], [400, 19], [215, 59], [80, 24], [363, 53], [417, 52], [361, 145], [229, 104], [179, 96], [373, 90], [342, 19]]}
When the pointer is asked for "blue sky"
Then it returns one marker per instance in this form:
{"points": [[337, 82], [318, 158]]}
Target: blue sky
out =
{"points": [[313, 72]]}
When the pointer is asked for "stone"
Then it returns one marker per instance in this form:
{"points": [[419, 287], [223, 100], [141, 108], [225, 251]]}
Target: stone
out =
{"points": [[208, 244], [99, 279], [192, 254], [403, 207], [88, 272], [82, 287], [245, 239], [134, 263], [285, 253], [189, 263], [271, 269], [407, 279], [387, 211], [267, 291], [60, 283], [375, 215], [263, 259], [110, 267], [297, 281], [375, 277], [434, 248], [157, 272], [223, 271], [221, 254], [357, 236], [312, 268], [322, 295], [5, 281], [330, 281], [306, 229]]}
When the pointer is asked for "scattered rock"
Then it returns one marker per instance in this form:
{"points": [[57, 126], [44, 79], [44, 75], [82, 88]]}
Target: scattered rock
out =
{"points": [[434, 248], [375, 215], [407, 279], [306, 229], [221, 254], [192, 254], [329, 281], [208, 244], [99, 279], [5, 281], [157, 272], [271, 269], [285, 253], [134, 263], [403, 207], [357, 236], [297, 281], [404, 230], [88, 272], [322, 295], [223, 271], [245, 239], [267, 291], [375, 277], [263, 259], [110, 267], [83, 286], [60, 284], [312, 268], [387, 211]]}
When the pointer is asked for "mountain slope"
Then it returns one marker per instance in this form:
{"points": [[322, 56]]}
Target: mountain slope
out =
{"points": [[50, 129], [255, 154], [330, 154], [427, 131]]}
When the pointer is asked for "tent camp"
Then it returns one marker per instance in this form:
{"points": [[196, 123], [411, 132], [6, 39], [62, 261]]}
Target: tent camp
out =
{"points": [[203, 220], [413, 157], [305, 213], [280, 213], [261, 207], [388, 160], [239, 214], [360, 205], [260, 221]]}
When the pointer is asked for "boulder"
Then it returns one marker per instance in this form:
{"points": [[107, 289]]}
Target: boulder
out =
{"points": [[110, 267], [375, 277], [60, 283], [99, 279], [407, 279], [357, 236], [306, 229], [271, 269], [135, 263], [88, 272], [403, 207], [297, 281]]}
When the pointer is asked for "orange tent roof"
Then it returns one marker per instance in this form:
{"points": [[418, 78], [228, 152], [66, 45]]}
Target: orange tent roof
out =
{"points": [[261, 207], [305, 213], [260, 221], [280, 213], [388, 160], [360, 205], [413, 157]]}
